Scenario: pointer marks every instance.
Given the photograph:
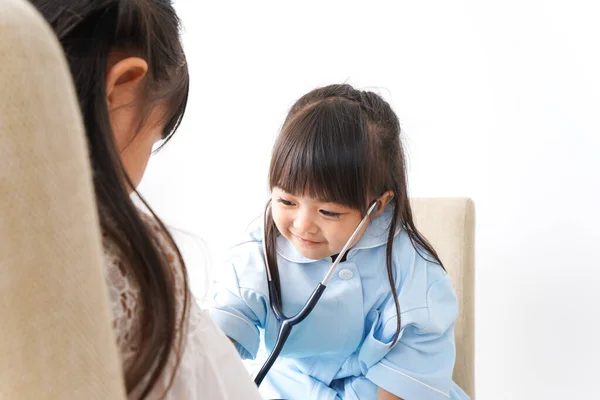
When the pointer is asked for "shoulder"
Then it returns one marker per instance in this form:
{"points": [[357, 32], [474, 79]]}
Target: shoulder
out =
{"points": [[124, 297], [123, 287], [411, 261], [161, 238], [244, 261], [423, 287], [167, 248]]}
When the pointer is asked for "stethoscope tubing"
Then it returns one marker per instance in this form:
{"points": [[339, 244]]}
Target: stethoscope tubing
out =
{"points": [[287, 323]]}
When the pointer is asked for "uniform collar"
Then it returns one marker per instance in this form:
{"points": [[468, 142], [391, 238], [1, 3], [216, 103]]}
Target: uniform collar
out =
{"points": [[375, 235]]}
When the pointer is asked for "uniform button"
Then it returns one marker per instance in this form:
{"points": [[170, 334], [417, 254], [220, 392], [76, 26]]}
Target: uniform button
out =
{"points": [[346, 274]]}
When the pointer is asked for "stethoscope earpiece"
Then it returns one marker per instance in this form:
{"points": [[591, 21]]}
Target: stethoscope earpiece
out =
{"points": [[373, 208]]}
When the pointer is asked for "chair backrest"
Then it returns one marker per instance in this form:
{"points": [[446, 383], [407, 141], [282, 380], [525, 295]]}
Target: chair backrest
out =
{"points": [[449, 225], [56, 338]]}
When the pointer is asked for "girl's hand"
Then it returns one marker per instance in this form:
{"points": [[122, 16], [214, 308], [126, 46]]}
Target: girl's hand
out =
{"points": [[383, 395]]}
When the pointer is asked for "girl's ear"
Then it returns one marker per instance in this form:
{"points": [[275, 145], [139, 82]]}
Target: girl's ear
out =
{"points": [[382, 203], [123, 79]]}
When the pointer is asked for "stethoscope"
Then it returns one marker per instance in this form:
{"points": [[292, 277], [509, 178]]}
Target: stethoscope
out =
{"points": [[287, 323]]}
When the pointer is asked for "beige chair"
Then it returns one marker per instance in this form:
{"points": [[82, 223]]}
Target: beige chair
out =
{"points": [[449, 224], [56, 339]]}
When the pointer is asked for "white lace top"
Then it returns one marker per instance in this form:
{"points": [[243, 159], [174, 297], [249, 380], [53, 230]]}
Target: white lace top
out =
{"points": [[210, 367]]}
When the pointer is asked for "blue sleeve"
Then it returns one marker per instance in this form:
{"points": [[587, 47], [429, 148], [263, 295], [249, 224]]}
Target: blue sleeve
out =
{"points": [[239, 306], [420, 364]]}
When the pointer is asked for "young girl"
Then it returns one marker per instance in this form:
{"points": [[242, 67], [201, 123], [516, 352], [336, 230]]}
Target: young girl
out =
{"points": [[383, 328], [131, 78]]}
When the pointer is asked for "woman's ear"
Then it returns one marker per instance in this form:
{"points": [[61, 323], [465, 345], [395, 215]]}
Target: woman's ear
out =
{"points": [[123, 78], [382, 203]]}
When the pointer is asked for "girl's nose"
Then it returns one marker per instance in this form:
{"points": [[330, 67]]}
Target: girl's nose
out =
{"points": [[304, 222]]}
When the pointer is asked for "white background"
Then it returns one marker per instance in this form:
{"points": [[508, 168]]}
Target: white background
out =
{"points": [[498, 101]]}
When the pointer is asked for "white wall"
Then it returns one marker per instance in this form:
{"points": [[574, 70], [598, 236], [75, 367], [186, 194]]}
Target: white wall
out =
{"points": [[499, 102]]}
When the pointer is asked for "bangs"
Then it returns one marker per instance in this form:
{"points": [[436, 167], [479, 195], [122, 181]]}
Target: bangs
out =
{"points": [[323, 153]]}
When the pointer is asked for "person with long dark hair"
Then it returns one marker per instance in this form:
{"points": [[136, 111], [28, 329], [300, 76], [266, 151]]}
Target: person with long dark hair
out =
{"points": [[384, 326], [131, 78]]}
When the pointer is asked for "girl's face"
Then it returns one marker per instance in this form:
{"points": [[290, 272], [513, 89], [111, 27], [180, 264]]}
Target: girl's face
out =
{"points": [[317, 229]]}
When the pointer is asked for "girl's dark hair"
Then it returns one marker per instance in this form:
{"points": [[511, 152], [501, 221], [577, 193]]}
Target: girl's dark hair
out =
{"points": [[89, 31], [342, 145]]}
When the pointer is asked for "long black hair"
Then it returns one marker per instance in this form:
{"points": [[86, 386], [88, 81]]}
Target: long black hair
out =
{"points": [[342, 145], [90, 30]]}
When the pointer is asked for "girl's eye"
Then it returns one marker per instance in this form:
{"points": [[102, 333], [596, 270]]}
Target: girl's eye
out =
{"points": [[285, 202], [330, 214]]}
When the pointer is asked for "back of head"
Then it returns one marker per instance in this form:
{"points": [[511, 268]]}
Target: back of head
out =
{"points": [[91, 32]]}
